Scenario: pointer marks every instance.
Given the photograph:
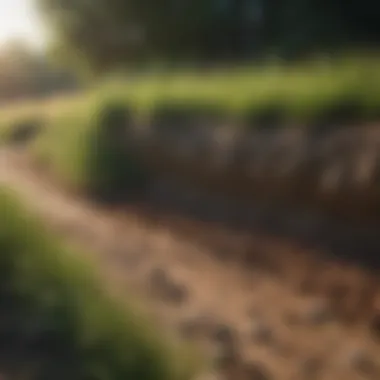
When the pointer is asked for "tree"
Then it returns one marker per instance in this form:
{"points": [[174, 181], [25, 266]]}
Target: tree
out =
{"points": [[110, 32]]}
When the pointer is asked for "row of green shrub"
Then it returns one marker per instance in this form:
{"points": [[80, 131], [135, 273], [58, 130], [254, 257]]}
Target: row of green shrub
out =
{"points": [[57, 320], [307, 94], [89, 151], [346, 91], [85, 144]]}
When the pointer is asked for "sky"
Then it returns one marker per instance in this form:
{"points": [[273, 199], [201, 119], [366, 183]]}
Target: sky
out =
{"points": [[19, 19]]}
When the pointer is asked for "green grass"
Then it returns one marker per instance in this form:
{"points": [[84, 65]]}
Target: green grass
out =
{"points": [[58, 322]]}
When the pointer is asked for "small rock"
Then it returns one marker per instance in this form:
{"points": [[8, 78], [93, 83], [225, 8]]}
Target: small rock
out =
{"points": [[317, 314], [311, 368], [307, 286], [339, 292], [255, 371], [166, 288], [196, 326], [375, 326], [261, 333], [227, 358], [224, 335], [292, 319], [228, 355], [361, 362], [177, 293]]}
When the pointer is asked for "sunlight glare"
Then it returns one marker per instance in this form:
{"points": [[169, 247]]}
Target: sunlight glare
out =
{"points": [[19, 20]]}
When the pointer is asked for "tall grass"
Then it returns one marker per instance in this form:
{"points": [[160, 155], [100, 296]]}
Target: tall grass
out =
{"points": [[56, 319]]}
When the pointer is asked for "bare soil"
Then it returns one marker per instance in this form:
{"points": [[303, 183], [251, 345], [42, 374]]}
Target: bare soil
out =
{"points": [[262, 307]]}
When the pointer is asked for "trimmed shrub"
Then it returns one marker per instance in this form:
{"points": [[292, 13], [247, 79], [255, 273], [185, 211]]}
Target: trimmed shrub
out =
{"points": [[88, 150]]}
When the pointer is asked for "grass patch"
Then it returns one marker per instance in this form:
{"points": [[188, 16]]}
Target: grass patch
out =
{"points": [[57, 322]]}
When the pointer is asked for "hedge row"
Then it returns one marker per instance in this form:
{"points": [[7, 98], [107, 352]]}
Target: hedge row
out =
{"points": [[248, 132], [307, 95], [311, 95], [105, 151]]}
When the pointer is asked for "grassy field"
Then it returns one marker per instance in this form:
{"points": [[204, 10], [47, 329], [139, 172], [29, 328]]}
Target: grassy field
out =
{"points": [[57, 320]]}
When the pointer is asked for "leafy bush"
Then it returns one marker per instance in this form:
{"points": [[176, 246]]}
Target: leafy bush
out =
{"points": [[57, 322]]}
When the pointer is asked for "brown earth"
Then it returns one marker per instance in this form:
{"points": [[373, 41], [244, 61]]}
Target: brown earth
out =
{"points": [[334, 168], [262, 306]]}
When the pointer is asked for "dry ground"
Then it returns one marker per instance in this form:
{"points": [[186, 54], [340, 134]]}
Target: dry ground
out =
{"points": [[281, 315]]}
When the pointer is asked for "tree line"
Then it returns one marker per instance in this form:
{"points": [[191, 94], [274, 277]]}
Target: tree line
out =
{"points": [[118, 32]]}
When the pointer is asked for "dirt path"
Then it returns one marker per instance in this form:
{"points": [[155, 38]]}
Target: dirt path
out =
{"points": [[247, 318]]}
